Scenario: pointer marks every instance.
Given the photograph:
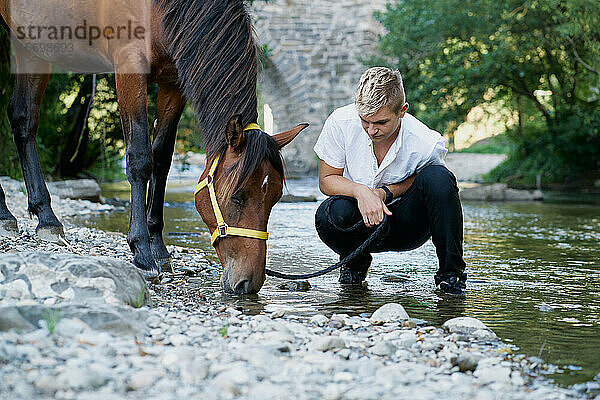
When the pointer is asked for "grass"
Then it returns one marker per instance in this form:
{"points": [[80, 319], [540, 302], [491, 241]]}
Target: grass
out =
{"points": [[499, 144], [52, 317], [141, 297], [222, 331]]}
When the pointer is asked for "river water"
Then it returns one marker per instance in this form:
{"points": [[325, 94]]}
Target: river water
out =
{"points": [[534, 271]]}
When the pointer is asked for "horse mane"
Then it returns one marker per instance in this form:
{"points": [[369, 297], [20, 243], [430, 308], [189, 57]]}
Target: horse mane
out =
{"points": [[213, 47], [259, 146]]}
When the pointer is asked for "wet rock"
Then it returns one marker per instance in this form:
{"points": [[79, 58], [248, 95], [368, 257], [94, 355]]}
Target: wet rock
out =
{"points": [[544, 307], [390, 312], [395, 278], [466, 325], [295, 286]]}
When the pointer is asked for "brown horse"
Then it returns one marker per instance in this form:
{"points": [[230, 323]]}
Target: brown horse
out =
{"points": [[202, 51]]}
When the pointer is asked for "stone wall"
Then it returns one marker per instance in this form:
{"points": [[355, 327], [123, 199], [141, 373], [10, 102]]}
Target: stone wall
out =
{"points": [[316, 63]]}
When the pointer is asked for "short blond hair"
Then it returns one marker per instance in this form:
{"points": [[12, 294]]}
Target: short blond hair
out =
{"points": [[378, 87]]}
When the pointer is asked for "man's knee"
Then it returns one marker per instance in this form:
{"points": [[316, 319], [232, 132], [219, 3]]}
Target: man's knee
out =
{"points": [[338, 213], [438, 180]]}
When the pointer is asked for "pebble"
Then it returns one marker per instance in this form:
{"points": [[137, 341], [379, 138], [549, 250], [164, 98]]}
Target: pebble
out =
{"points": [[390, 312], [327, 343], [383, 349], [319, 319]]}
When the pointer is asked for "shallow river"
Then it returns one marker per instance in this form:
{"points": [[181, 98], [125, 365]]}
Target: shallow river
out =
{"points": [[534, 271]]}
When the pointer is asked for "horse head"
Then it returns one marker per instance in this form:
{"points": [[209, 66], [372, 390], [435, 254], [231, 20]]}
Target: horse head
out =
{"points": [[236, 193]]}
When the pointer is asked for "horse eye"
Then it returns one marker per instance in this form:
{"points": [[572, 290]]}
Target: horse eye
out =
{"points": [[237, 200]]}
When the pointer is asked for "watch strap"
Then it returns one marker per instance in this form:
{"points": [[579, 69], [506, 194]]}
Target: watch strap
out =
{"points": [[389, 196]]}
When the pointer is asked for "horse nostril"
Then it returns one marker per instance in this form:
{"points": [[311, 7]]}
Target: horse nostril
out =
{"points": [[242, 287]]}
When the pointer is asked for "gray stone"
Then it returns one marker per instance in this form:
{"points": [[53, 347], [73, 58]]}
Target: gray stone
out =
{"points": [[178, 340], [70, 327], [465, 362], [74, 278], [383, 349], [499, 192], [195, 372], [391, 312], [47, 383], [464, 325], [82, 189], [89, 377], [319, 319], [113, 319], [492, 374], [144, 378], [326, 343], [408, 339], [484, 334]]}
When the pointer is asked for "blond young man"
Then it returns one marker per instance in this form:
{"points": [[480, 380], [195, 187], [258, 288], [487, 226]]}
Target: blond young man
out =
{"points": [[376, 159]]}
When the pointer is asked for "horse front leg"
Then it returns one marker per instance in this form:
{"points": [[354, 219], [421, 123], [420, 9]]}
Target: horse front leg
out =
{"points": [[24, 115], [132, 95], [8, 222], [169, 107]]}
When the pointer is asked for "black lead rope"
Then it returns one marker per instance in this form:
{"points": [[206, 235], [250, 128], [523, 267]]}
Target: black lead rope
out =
{"points": [[374, 236]]}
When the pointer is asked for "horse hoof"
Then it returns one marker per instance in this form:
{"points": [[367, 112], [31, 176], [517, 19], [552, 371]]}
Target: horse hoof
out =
{"points": [[148, 267], [8, 227], [51, 234]]}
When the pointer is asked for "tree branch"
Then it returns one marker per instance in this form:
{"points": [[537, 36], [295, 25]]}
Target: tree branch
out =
{"points": [[583, 63]]}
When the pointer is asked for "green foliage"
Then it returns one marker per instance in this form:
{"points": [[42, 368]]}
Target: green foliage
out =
{"points": [[52, 317], [541, 58], [141, 298], [222, 331], [499, 144]]}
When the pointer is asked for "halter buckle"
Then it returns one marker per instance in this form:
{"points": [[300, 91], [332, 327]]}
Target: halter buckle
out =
{"points": [[222, 230]]}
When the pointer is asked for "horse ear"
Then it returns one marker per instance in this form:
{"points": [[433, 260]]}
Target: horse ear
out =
{"points": [[286, 137], [234, 134]]}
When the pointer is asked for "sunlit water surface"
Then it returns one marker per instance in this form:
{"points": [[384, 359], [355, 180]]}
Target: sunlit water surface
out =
{"points": [[533, 271]]}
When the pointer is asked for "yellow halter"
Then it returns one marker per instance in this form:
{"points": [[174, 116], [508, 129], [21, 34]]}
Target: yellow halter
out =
{"points": [[223, 229]]}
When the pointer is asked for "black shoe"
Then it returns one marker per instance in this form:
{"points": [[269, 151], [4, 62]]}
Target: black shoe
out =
{"points": [[452, 285]]}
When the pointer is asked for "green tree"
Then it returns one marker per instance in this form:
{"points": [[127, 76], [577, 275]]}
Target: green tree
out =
{"points": [[539, 59]]}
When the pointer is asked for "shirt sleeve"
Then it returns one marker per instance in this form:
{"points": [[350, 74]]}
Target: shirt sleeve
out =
{"points": [[330, 145], [437, 155]]}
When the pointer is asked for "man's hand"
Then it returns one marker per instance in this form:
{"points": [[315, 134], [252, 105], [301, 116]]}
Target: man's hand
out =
{"points": [[371, 205]]}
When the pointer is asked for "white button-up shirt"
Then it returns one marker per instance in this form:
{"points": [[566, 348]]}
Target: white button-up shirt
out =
{"points": [[343, 143]]}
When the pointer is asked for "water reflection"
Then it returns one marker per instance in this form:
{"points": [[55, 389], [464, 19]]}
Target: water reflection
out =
{"points": [[533, 272]]}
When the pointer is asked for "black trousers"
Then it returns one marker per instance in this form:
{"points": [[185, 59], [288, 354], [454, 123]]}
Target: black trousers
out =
{"points": [[430, 208]]}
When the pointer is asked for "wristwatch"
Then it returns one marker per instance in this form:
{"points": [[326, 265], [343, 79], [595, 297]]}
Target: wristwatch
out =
{"points": [[389, 196]]}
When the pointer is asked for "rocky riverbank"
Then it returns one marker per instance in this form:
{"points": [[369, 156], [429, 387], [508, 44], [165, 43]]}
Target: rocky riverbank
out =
{"points": [[72, 328]]}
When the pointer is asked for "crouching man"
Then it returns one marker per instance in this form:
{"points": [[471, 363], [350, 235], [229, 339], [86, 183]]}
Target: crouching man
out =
{"points": [[376, 159]]}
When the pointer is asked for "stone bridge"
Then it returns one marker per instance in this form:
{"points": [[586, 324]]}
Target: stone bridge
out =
{"points": [[317, 48]]}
